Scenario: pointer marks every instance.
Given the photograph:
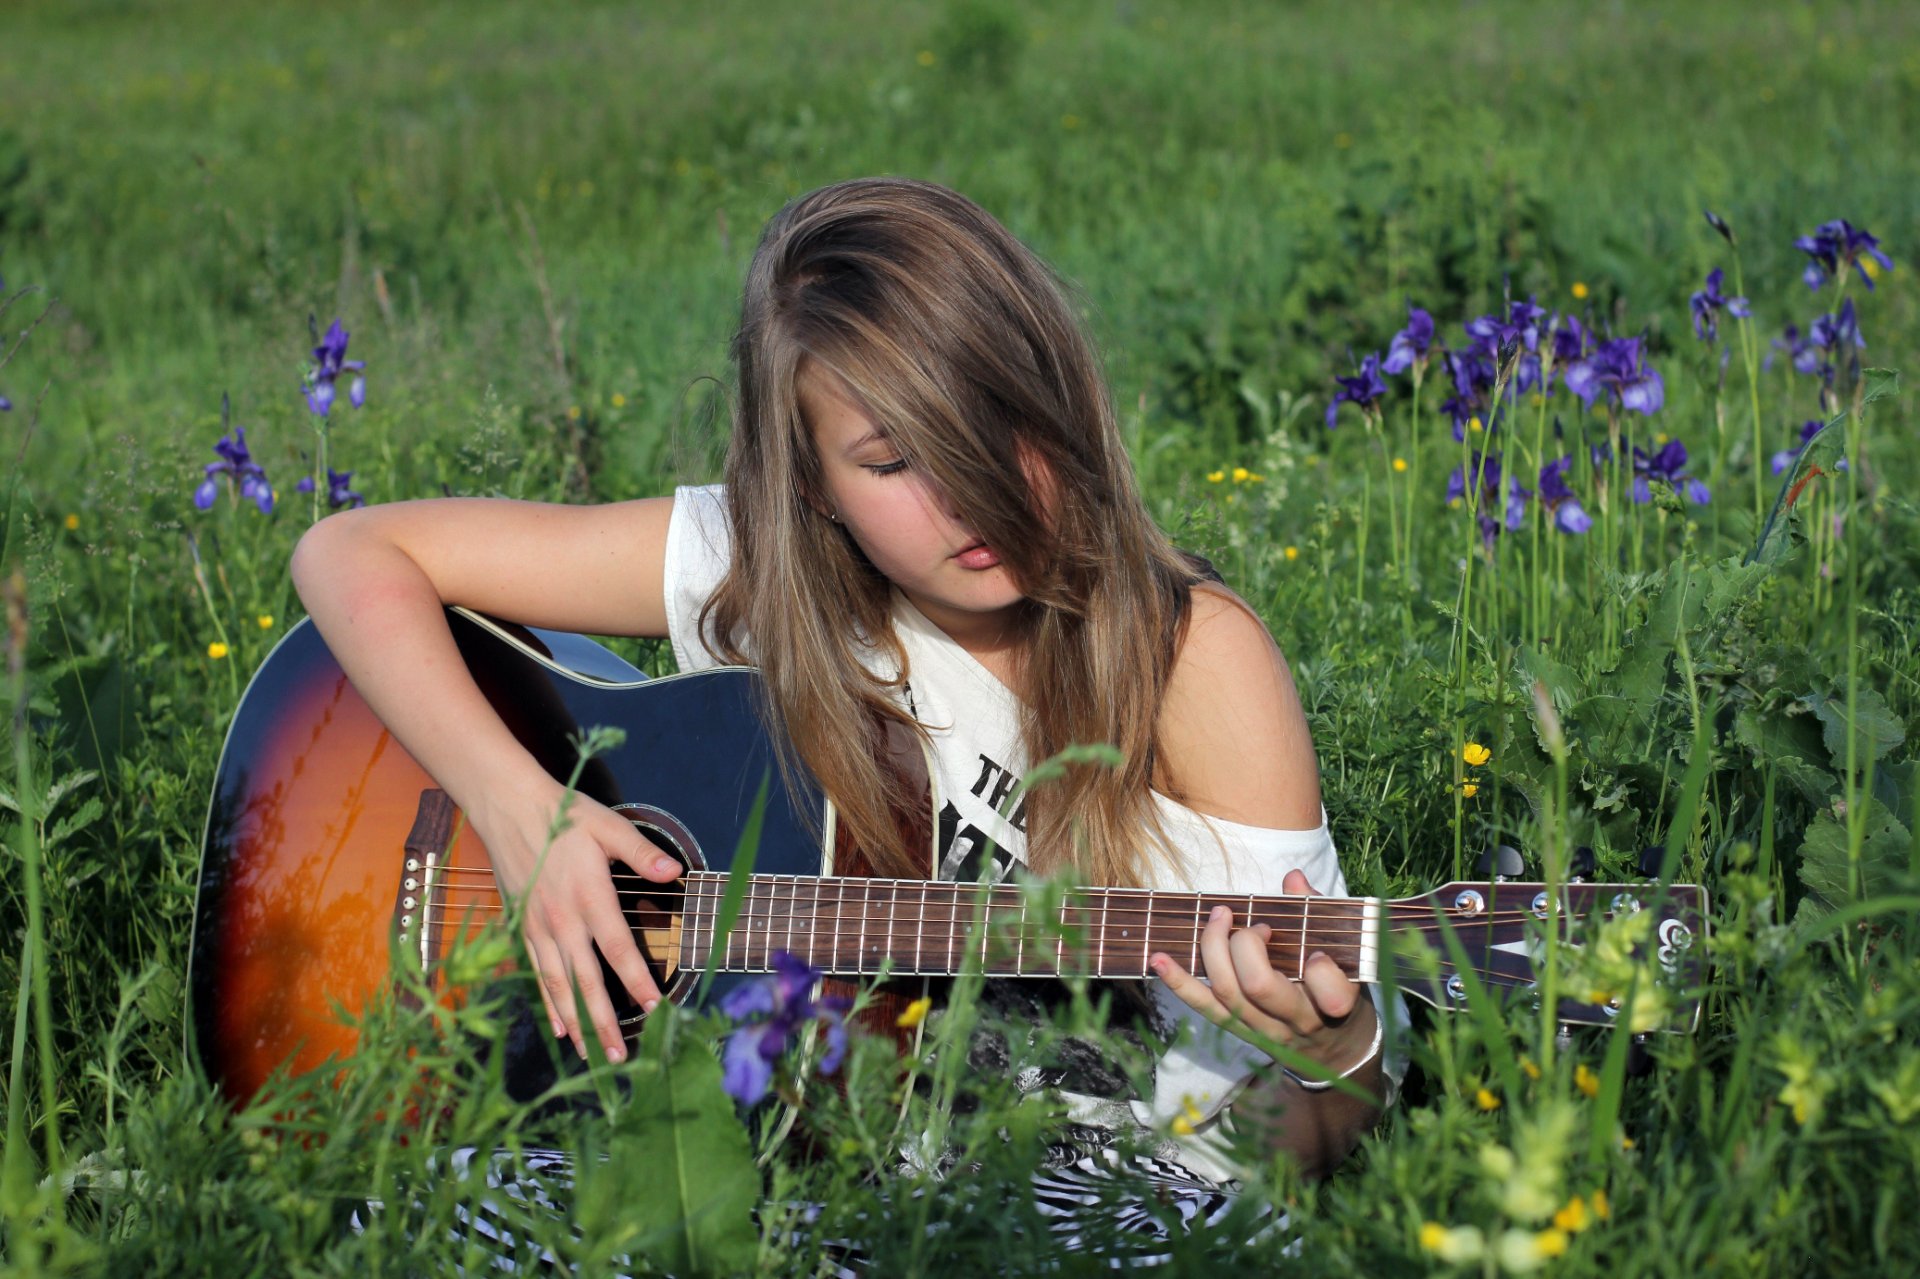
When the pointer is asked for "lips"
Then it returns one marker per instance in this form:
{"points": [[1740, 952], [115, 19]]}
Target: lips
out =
{"points": [[977, 556]]}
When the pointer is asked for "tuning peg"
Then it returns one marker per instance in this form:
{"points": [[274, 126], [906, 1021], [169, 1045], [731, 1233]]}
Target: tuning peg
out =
{"points": [[1653, 860], [1563, 1038], [1639, 1060], [1501, 862], [1580, 868]]}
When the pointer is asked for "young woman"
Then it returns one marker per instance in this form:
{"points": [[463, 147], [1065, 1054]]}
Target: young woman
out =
{"points": [[929, 528]]}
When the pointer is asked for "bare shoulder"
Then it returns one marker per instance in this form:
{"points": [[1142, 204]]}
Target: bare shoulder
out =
{"points": [[1234, 742]]}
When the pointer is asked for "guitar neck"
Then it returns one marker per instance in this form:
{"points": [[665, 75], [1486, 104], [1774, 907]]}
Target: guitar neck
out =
{"points": [[855, 927]]}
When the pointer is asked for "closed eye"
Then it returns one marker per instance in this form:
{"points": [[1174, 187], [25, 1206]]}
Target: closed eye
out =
{"points": [[887, 468]]}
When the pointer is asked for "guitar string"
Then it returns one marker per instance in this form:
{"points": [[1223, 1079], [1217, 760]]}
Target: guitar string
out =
{"points": [[770, 888], [1279, 944]]}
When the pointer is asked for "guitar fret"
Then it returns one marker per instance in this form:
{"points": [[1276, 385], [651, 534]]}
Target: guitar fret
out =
{"points": [[1146, 940], [1060, 941], [920, 938], [893, 905], [1306, 909], [1020, 943], [1199, 918], [1100, 957]]}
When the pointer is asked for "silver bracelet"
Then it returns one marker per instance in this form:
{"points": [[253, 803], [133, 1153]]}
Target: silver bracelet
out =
{"points": [[1373, 1050]]}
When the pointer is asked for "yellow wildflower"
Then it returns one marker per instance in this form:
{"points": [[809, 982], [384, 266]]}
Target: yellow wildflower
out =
{"points": [[1313, 459], [619, 400], [1469, 789], [1586, 1081], [1486, 1100], [573, 413], [1528, 1068], [216, 650], [1069, 121], [1475, 754], [914, 1013], [1574, 1217], [1580, 290], [1600, 1206], [1473, 424], [72, 522], [266, 621], [1661, 437], [1871, 269], [1292, 553], [1188, 1119], [1399, 463], [925, 57], [1215, 477], [1461, 1243], [1550, 1243], [1240, 474]]}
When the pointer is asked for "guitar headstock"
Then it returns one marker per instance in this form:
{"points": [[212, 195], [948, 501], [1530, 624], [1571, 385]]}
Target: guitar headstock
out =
{"points": [[1632, 952]]}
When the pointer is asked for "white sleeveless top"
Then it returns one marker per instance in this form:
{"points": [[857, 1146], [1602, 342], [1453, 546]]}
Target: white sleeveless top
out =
{"points": [[972, 720]]}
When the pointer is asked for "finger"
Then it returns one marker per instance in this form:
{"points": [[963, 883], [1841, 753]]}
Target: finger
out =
{"points": [[1297, 885], [554, 1019], [584, 968], [1189, 990], [1327, 985], [556, 990], [1274, 1004], [646, 858], [613, 933], [1216, 958]]}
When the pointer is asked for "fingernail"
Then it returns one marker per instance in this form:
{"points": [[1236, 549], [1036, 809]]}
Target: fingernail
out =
{"points": [[559, 1030], [580, 1048], [1159, 965], [649, 1005], [617, 1052], [665, 866], [1220, 912]]}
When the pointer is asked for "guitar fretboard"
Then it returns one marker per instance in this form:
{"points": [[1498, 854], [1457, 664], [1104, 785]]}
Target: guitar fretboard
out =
{"points": [[857, 927]]}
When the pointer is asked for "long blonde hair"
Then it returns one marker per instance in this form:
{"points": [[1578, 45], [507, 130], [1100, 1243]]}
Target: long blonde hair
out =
{"points": [[960, 344]]}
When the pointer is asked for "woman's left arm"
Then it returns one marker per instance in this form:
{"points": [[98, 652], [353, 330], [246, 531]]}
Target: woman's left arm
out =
{"points": [[1235, 745]]}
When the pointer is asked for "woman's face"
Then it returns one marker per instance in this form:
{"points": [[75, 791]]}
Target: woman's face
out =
{"points": [[907, 529]]}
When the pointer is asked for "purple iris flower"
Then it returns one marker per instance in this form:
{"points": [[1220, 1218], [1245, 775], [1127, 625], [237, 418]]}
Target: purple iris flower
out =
{"points": [[1784, 458], [1836, 245], [6, 405], [768, 1012], [1617, 369], [1568, 515], [1832, 332], [1669, 466], [1707, 305], [1510, 498], [237, 464], [1410, 345], [1474, 375], [330, 361], [1569, 340], [1797, 347], [1364, 391], [339, 493]]}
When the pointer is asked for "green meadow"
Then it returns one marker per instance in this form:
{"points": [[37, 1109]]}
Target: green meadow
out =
{"points": [[533, 220]]}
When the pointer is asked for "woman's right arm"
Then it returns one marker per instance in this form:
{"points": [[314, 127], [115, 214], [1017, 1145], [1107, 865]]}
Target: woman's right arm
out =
{"points": [[375, 581]]}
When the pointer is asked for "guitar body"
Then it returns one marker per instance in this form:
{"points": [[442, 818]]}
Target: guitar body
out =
{"points": [[323, 835]]}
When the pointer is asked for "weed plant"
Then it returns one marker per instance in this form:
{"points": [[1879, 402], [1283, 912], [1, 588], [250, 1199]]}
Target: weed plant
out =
{"points": [[533, 223]]}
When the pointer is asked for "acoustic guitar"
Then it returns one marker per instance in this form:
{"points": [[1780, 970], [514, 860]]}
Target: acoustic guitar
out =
{"points": [[330, 857]]}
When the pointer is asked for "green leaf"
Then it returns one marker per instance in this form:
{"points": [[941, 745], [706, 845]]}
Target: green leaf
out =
{"points": [[1791, 743], [1880, 384], [1877, 728], [1825, 867], [679, 1186]]}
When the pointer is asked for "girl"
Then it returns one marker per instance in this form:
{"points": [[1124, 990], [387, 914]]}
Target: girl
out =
{"points": [[929, 528]]}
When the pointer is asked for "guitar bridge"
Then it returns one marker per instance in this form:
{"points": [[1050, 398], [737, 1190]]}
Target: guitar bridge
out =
{"points": [[417, 924]]}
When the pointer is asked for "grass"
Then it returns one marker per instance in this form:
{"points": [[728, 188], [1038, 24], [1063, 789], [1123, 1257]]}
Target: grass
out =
{"points": [[535, 226]]}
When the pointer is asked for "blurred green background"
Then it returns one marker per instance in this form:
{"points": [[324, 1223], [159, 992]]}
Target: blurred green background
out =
{"points": [[558, 201]]}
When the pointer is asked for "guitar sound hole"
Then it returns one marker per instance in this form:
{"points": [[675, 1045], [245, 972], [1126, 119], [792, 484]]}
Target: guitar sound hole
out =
{"points": [[652, 909]]}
